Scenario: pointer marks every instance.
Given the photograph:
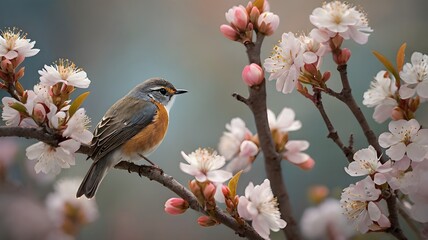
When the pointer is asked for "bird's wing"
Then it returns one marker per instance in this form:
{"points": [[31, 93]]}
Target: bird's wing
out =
{"points": [[120, 124]]}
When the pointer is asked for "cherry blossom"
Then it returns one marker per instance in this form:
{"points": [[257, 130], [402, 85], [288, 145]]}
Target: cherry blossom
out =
{"points": [[77, 127], [63, 206], [360, 204], [64, 71], [415, 76], [293, 152], [338, 18], [230, 141], [245, 158], [51, 159], [381, 95], [261, 207], [13, 43], [326, 219], [285, 122], [205, 165], [285, 63], [405, 137]]}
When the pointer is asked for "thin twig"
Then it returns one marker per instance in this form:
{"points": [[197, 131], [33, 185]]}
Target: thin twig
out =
{"points": [[332, 133]]}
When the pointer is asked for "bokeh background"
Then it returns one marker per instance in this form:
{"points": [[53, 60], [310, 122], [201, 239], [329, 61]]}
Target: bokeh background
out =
{"points": [[119, 43]]}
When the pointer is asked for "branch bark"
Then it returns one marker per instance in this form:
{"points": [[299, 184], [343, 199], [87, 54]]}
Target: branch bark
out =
{"points": [[155, 174], [257, 104]]}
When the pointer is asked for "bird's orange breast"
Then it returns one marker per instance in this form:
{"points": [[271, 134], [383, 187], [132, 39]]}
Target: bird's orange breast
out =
{"points": [[150, 137]]}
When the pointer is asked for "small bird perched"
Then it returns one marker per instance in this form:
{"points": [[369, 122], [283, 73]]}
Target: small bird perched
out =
{"points": [[130, 130]]}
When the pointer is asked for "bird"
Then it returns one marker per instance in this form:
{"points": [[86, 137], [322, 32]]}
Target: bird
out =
{"points": [[130, 130]]}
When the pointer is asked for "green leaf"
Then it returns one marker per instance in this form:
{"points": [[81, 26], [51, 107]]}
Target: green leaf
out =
{"points": [[400, 57], [77, 102], [388, 65], [233, 183]]}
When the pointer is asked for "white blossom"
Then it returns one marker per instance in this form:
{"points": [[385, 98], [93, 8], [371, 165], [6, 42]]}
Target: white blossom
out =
{"points": [[339, 18], [63, 204], [285, 122], [324, 220], [231, 139], [261, 207], [66, 72], [205, 165], [360, 204], [51, 159], [415, 76], [405, 137], [285, 63], [13, 44], [77, 127]]}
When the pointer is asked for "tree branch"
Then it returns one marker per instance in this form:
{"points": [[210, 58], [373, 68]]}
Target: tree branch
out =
{"points": [[257, 104], [332, 133], [243, 230], [169, 182]]}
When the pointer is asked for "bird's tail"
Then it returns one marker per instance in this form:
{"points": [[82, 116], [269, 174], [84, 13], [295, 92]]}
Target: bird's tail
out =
{"points": [[93, 178]]}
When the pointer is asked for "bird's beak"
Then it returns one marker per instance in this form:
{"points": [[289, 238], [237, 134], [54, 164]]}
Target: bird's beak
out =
{"points": [[180, 91]]}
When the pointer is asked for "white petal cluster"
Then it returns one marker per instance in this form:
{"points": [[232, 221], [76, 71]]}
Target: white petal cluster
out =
{"points": [[261, 207], [65, 72], [205, 165], [381, 95], [415, 76], [14, 44], [339, 18]]}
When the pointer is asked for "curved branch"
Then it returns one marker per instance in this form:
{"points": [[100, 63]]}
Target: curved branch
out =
{"points": [[150, 172], [169, 182]]}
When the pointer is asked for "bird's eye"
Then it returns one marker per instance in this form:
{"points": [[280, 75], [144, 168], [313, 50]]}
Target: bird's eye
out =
{"points": [[163, 91]]}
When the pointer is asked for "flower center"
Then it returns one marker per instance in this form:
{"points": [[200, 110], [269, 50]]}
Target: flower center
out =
{"points": [[66, 68], [11, 35], [354, 208]]}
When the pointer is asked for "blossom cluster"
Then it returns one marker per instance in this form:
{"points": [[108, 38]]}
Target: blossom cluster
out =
{"points": [[48, 105], [67, 212], [297, 59], [258, 205], [407, 147], [240, 146], [244, 20], [399, 98]]}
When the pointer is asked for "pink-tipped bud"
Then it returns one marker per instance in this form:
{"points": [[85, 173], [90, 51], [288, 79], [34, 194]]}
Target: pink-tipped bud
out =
{"points": [[397, 114], [248, 149], [252, 74], [39, 113], [209, 191], [311, 68], [326, 76], [206, 221], [226, 191], [175, 206], [254, 15], [307, 165], [237, 16], [342, 57], [267, 23], [229, 32], [317, 193]]}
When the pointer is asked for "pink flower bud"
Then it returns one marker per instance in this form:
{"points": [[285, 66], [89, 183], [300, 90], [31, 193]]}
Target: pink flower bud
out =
{"points": [[39, 113], [206, 221], [252, 74], [194, 187], [326, 76], [254, 15], [342, 57], [226, 191], [307, 165], [268, 23], [175, 206], [209, 191], [229, 32], [238, 17]]}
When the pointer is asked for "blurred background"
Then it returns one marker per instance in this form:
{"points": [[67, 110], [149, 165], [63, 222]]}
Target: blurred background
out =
{"points": [[120, 43]]}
